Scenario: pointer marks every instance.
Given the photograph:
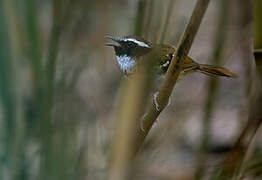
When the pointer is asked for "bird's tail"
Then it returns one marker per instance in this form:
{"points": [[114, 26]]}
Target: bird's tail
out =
{"points": [[215, 70]]}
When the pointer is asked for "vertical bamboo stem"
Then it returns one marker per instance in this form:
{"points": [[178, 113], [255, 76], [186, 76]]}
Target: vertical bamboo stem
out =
{"points": [[173, 70]]}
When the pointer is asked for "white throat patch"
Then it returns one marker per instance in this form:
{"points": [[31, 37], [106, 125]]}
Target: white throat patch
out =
{"points": [[139, 43], [126, 63]]}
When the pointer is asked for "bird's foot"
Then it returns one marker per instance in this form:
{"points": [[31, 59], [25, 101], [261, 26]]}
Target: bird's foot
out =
{"points": [[169, 102], [157, 106], [142, 122]]}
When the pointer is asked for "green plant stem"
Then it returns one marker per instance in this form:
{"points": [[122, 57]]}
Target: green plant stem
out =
{"points": [[33, 38], [47, 130], [173, 70], [16, 148], [7, 94]]}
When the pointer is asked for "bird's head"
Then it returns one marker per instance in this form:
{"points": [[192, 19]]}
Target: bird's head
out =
{"points": [[130, 46]]}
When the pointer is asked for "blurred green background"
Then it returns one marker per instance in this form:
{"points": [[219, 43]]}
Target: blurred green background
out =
{"points": [[59, 87]]}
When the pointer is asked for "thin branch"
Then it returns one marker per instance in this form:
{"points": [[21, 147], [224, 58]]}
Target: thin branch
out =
{"points": [[173, 70]]}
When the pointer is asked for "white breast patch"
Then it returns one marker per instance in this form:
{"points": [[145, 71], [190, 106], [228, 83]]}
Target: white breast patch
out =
{"points": [[126, 63]]}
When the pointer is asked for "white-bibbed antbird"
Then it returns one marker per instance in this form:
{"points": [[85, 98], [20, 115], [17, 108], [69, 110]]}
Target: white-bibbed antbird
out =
{"points": [[130, 50]]}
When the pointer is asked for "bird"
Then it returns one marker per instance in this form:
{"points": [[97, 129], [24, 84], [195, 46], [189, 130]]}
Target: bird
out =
{"points": [[131, 50]]}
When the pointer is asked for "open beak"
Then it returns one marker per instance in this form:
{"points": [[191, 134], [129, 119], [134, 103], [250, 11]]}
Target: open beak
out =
{"points": [[113, 39]]}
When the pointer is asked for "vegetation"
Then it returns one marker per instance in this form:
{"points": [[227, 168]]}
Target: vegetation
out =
{"points": [[67, 112]]}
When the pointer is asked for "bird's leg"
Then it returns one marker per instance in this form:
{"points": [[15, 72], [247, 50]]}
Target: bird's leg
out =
{"points": [[169, 102], [155, 101], [142, 121]]}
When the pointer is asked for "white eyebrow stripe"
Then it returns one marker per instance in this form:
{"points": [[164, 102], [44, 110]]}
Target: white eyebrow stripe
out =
{"points": [[142, 44]]}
